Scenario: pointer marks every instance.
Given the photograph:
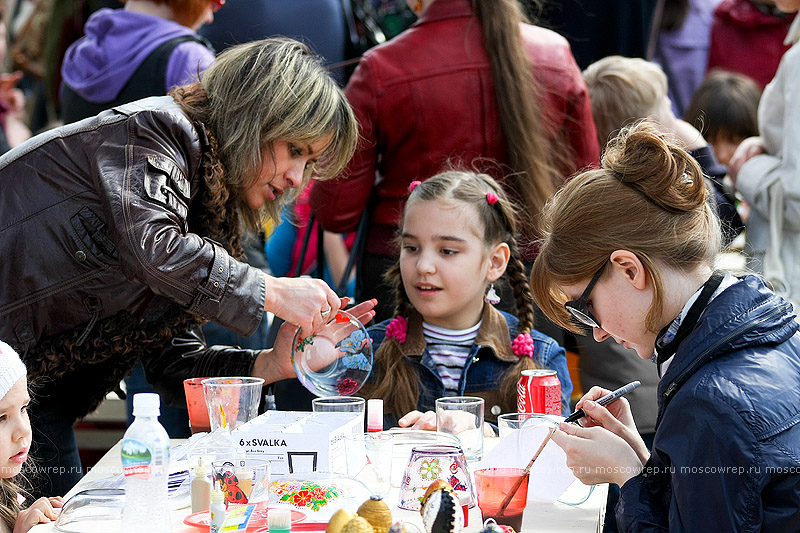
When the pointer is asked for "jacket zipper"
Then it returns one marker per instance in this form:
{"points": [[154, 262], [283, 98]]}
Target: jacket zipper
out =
{"points": [[690, 369], [92, 304]]}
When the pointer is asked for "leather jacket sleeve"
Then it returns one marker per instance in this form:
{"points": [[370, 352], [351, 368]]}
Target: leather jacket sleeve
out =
{"points": [[187, 356], [148, 194]]}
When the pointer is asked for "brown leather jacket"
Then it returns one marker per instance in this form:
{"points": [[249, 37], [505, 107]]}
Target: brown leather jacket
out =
{"points": [[94, 223]]}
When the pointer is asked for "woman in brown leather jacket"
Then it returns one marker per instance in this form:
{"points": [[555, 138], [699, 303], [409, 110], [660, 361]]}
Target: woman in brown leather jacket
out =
{"points": [[120, 236]]}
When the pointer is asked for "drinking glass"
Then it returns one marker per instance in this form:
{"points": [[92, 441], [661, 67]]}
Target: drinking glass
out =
{"points": [[509, 422], [429, 463], [341, 404], [243, 480], [403, 443], [462, 416], [232, 401], [196, 404], [493, 486], [369, 460]]}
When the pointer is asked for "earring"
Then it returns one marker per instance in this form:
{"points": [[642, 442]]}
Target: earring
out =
{"points": [[418, 6], [491, 296]]}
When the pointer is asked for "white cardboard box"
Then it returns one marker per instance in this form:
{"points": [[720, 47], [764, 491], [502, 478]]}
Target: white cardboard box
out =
{"points": [[299, 441]]}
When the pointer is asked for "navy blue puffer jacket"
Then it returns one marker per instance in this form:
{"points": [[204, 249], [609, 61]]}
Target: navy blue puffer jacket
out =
{"points": [[726, 454]]}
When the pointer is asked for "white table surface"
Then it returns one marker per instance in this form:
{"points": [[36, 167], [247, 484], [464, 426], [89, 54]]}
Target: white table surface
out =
{"points": [[538, 517]]}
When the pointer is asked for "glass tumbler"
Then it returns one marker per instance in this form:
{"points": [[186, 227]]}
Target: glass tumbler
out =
{"points": [[429, 463]]}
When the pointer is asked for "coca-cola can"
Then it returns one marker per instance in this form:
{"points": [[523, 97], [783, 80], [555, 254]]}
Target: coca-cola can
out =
{"points": [[539, 391]]}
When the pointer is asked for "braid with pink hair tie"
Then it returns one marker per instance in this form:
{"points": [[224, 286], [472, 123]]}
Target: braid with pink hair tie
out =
{"points": [[522, 345], [413, 185], [397, 329]]}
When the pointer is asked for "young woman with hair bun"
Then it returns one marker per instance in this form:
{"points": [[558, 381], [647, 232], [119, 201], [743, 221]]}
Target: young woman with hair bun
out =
{"points": [[628, 252]]}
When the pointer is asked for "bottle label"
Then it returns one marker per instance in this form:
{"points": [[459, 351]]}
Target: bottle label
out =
{"points": [[137, 459]]}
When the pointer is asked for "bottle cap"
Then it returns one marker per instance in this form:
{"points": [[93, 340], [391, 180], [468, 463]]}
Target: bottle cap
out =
{"points": [[375, 415], [200, 469], [217, 496], [146, 404]]}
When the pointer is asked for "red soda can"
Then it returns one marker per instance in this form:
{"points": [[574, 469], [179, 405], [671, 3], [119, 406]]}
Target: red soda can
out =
{"points": [[539, 391]]}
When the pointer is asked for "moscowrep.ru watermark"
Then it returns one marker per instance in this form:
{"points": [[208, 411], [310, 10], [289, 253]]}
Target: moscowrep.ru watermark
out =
{"points": [[716, 470], [55, 470]]}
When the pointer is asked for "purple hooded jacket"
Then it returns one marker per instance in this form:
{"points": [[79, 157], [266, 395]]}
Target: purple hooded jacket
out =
{"points": [[116, 41]]}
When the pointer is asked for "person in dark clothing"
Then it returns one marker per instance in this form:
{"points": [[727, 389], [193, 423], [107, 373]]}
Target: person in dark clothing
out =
{"points": [[127, 54], [629, 254], [137, 218]]}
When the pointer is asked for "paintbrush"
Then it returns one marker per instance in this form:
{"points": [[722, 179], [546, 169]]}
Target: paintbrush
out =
{"points": [[525, 473]]}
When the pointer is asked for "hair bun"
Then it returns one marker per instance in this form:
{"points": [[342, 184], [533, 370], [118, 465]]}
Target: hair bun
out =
{"points": [[653, 163]]}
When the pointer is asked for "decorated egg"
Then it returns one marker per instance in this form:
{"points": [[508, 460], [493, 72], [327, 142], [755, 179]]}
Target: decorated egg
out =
{"points": [[338, 520], [401, 527], [441, 512], [439, 484], [357, 525], [377, 514], [490, 526]]}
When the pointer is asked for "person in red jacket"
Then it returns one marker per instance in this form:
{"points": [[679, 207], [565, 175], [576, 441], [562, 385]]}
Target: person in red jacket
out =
{"points": [[468, 85], [747, 36]]}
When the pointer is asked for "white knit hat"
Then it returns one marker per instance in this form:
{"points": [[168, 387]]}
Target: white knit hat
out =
{"points": [[11, 368]]}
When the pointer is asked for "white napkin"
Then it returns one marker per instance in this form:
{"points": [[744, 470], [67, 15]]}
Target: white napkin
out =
{"points": [[549, 476]]}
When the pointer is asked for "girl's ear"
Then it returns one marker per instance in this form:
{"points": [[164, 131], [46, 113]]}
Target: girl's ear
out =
{"points": [[498, 261], [630, 266]]}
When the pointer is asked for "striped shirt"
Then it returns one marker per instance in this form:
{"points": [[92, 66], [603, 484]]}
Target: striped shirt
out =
{"points": [[449, 349]]}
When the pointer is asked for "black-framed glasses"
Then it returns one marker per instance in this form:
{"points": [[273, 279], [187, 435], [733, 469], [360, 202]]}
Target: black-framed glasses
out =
{"points": [[579, 309]]}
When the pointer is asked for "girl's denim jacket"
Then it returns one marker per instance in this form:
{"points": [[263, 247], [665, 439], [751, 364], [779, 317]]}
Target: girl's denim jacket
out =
{"points": [[486, 367]]}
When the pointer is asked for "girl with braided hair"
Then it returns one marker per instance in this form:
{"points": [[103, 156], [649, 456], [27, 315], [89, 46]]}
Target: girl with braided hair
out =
{"points": [[456, 240]]}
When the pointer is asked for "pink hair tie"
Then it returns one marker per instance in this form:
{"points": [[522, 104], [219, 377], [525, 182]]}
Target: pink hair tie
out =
{"points": [[491, 198], [413, 185], [397, 328], [522, 345]]}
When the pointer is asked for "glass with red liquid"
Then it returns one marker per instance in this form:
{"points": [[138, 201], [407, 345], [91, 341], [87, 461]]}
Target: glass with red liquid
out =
{"points": [[493, 485], [196, 404]]}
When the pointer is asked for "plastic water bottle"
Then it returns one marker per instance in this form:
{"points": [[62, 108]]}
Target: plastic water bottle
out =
{"points": [[145, 463]]}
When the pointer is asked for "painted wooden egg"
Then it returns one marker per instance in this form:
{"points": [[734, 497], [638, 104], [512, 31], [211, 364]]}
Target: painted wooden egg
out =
{"points": [[357, 525], [442, 513], [377, 514]]}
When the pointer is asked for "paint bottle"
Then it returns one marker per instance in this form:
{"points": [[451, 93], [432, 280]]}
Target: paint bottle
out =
{"points": [[374, 415], [201, 488], [217, 510]]}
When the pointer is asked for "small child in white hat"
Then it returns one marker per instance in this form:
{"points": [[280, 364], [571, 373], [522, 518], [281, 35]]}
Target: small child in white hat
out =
{"points": [[15, 440]]}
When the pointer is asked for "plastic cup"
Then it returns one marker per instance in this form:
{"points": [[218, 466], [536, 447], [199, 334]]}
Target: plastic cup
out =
{"points": [[492, 486], [196, 404], [232, 401]]}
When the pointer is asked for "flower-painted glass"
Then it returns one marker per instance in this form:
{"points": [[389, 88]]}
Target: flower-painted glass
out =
{"points": [[336, 360], [429, 463]]}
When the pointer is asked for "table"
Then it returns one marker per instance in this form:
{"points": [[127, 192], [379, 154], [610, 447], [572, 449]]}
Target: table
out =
{"points": [[538, 517]]}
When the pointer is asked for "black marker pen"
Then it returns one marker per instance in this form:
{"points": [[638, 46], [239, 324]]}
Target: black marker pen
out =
{"points": [[605, 400]]}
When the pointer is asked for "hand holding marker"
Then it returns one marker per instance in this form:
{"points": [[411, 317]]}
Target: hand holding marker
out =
{"points": [[605, 400]]}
